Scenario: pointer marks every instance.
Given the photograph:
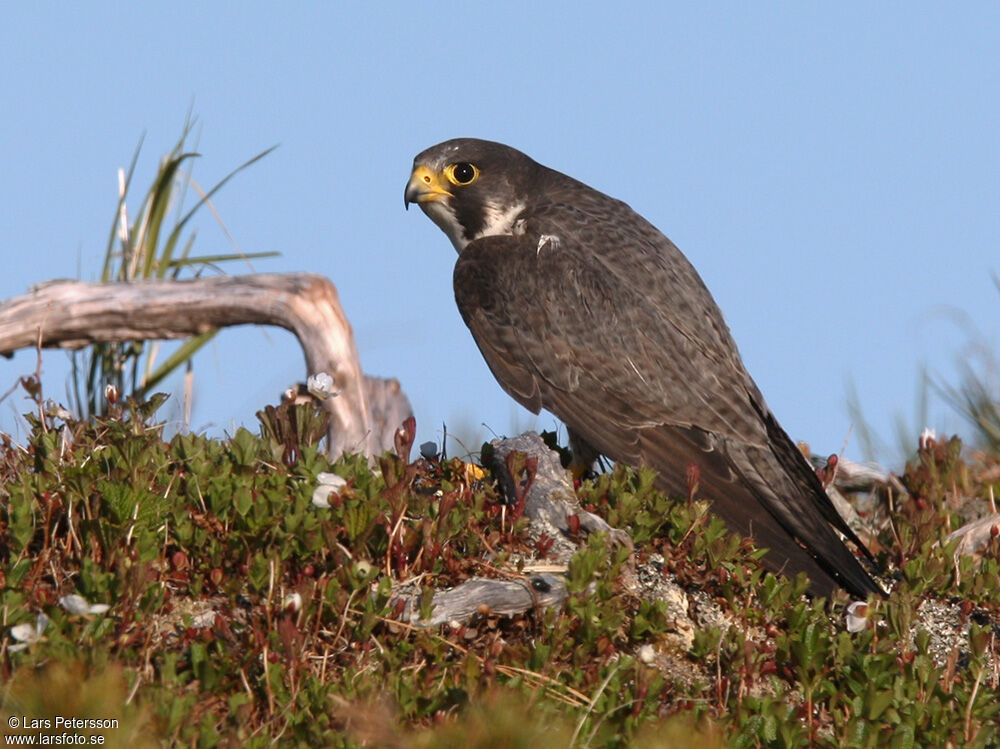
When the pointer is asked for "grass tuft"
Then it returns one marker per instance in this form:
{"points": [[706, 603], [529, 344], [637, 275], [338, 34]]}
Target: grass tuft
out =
{"points": [[142, 245]]}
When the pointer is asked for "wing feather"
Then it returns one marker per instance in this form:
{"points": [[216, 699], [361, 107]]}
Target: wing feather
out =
{"points": [[611, 329]]}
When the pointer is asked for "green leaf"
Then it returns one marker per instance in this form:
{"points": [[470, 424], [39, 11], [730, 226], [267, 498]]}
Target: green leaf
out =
{"points": [[242, 500], [244, 447], [876, 704]]}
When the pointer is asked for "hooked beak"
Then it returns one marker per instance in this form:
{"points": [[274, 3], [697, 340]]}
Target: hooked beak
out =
{"points": [[424, 187]]}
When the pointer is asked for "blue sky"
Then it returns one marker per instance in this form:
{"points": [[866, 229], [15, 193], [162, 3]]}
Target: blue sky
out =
{"points": [[832, 171]]}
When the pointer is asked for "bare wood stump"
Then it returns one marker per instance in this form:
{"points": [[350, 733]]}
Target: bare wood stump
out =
{"points": [[73, 314], [549, 504]]}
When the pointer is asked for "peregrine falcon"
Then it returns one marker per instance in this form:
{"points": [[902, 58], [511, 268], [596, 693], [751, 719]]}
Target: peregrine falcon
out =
{"points": [[582, 307]]}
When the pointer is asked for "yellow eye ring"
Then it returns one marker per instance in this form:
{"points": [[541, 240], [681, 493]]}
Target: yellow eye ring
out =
{"points": [[462, 173]]}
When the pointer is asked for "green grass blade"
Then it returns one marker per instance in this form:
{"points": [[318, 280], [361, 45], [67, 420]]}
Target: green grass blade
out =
{"points": [[183, 353], [161, 195], [212, 259], [109, 253], [205, 198], [182, 262]]}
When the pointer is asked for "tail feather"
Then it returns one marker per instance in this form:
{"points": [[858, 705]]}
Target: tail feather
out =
{"points": [[778, 502], [765, 491]]}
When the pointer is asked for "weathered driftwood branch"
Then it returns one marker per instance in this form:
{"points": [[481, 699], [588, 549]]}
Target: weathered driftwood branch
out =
{"points": [[488, 597], [73, 314], [973, 536]]}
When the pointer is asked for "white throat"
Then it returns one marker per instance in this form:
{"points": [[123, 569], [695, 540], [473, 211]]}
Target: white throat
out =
{"points": [[444, 217], [499, 222]]}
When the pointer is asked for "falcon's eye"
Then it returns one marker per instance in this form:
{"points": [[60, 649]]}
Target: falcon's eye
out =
{"points": [[462, 173]]}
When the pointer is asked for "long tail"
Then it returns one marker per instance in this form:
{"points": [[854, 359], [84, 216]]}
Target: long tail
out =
{"points": [[768, 493]]}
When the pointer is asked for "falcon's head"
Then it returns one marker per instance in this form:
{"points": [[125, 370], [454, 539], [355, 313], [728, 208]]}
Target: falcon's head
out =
{"points": [[472, 188]]}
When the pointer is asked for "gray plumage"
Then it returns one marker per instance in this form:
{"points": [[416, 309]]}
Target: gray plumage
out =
{"points": [[582, 307]]}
